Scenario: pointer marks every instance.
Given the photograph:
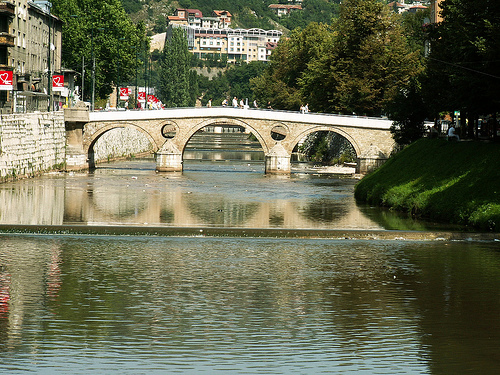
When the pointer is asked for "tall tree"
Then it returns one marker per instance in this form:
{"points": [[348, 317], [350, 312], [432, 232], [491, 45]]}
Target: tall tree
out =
{"points": [[102, 37], [174, 76], [366, 64], [280, 83], [463, 65]]}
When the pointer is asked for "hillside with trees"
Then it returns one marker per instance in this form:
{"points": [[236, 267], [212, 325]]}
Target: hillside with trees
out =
{"points": [[246, 13]]}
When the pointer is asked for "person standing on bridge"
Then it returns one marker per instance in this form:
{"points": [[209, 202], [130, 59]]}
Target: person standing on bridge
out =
{"points": [[255, 104], [235, 102], [209, 104]]}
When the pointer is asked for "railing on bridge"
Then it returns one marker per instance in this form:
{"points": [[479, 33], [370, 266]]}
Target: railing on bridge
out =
{"points": [[258, 114]]}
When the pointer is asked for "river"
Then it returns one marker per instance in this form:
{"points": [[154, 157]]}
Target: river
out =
{"points": [[107, 303]]}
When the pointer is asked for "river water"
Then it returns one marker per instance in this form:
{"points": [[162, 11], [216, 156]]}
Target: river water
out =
{"points": [[153, 304]]}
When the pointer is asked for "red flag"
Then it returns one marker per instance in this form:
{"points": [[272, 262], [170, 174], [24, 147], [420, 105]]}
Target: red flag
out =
{"points": [[57, 82], [6, 80]]}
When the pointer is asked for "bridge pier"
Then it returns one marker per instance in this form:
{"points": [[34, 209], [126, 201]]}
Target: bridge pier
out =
{"points": [[75, 120], [370, 159], [278, 161], [169, 158], [168, 162]]}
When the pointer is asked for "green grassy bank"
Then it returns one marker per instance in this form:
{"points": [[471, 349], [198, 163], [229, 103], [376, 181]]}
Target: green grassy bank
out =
{"points": [[455, 182]]}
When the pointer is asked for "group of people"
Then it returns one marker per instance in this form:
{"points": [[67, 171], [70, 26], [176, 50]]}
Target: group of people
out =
{"points": [[235, 102], [240, 104], [304, 108]]}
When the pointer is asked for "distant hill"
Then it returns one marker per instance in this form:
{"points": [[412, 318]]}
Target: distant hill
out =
{"points": [[246, 13]]}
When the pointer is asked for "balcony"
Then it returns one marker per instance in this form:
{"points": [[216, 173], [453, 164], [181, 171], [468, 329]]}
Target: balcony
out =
{"points": [[7, 9], [7, 39]]}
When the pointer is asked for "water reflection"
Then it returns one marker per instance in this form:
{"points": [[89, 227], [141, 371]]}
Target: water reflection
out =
{"points": [[205, 194]]}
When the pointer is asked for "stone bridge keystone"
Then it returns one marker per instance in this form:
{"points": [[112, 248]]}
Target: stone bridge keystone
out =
{"points": [[278, 132]]}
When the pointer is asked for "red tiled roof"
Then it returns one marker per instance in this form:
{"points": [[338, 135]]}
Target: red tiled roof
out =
{"points": [[197, 13], [222, 13]]}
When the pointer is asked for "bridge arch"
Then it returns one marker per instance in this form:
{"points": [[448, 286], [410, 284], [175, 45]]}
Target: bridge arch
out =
{"points": [[106, 128], [223, 121], [319, 128]]}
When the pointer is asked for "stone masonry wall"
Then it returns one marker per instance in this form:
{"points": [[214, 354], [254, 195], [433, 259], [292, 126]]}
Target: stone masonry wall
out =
{"points": [[31, 143]]}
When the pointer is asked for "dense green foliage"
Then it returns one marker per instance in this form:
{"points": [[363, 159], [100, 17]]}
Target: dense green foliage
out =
{"points": [[457, 182], [132, 6], [175, 85], [246, 13], [279, 84], [463, 68], [104, 31], [320, 11], [232, 82], [358, 64]]}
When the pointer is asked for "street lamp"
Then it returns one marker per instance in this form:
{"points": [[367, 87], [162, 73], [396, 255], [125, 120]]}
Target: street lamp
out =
{"points": [[118, 81]]}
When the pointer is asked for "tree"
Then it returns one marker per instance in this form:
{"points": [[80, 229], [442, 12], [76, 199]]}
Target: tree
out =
{"points": [[364, 67], [174, 76], [232, 82], [319, 11], [280, 83], [103, 32], [463, 68], [408, 111]]}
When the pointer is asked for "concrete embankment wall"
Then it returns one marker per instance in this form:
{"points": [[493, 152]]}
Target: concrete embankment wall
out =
{"points": [[31, 143]]}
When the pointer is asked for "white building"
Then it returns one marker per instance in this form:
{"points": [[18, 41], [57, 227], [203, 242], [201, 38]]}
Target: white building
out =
{"points": [[236, 44]]}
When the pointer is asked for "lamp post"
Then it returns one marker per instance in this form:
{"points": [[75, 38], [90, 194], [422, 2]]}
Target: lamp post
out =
{"points": [[118, 81]]}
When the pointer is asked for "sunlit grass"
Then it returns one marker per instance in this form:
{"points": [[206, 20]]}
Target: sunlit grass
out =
{"points": [[458, 182]]}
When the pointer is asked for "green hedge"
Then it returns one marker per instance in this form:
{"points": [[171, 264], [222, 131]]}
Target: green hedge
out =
{"points": [[456, 182]]}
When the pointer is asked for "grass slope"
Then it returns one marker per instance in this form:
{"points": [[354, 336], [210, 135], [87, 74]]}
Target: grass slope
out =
{"points": [[457, 182]]}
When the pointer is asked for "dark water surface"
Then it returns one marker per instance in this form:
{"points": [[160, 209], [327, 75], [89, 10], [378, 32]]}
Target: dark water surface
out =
{"points": [[80, 304], [142, 305]]}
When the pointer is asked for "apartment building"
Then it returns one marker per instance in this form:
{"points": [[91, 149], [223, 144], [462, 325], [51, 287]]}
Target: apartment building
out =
{"points": [[30, 54], [211, 37], [220, 19], [236, 44]]}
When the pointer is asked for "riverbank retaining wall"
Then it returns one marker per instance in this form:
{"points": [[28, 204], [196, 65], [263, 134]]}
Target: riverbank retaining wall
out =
{"points": [[31, 143]]}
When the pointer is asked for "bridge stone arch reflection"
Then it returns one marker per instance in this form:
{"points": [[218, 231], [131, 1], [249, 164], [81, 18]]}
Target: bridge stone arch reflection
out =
{"points": [[278, 132], [102, 202]]}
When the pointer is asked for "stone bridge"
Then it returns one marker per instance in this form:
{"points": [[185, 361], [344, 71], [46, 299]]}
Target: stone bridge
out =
{"points": [[278, 132]]}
